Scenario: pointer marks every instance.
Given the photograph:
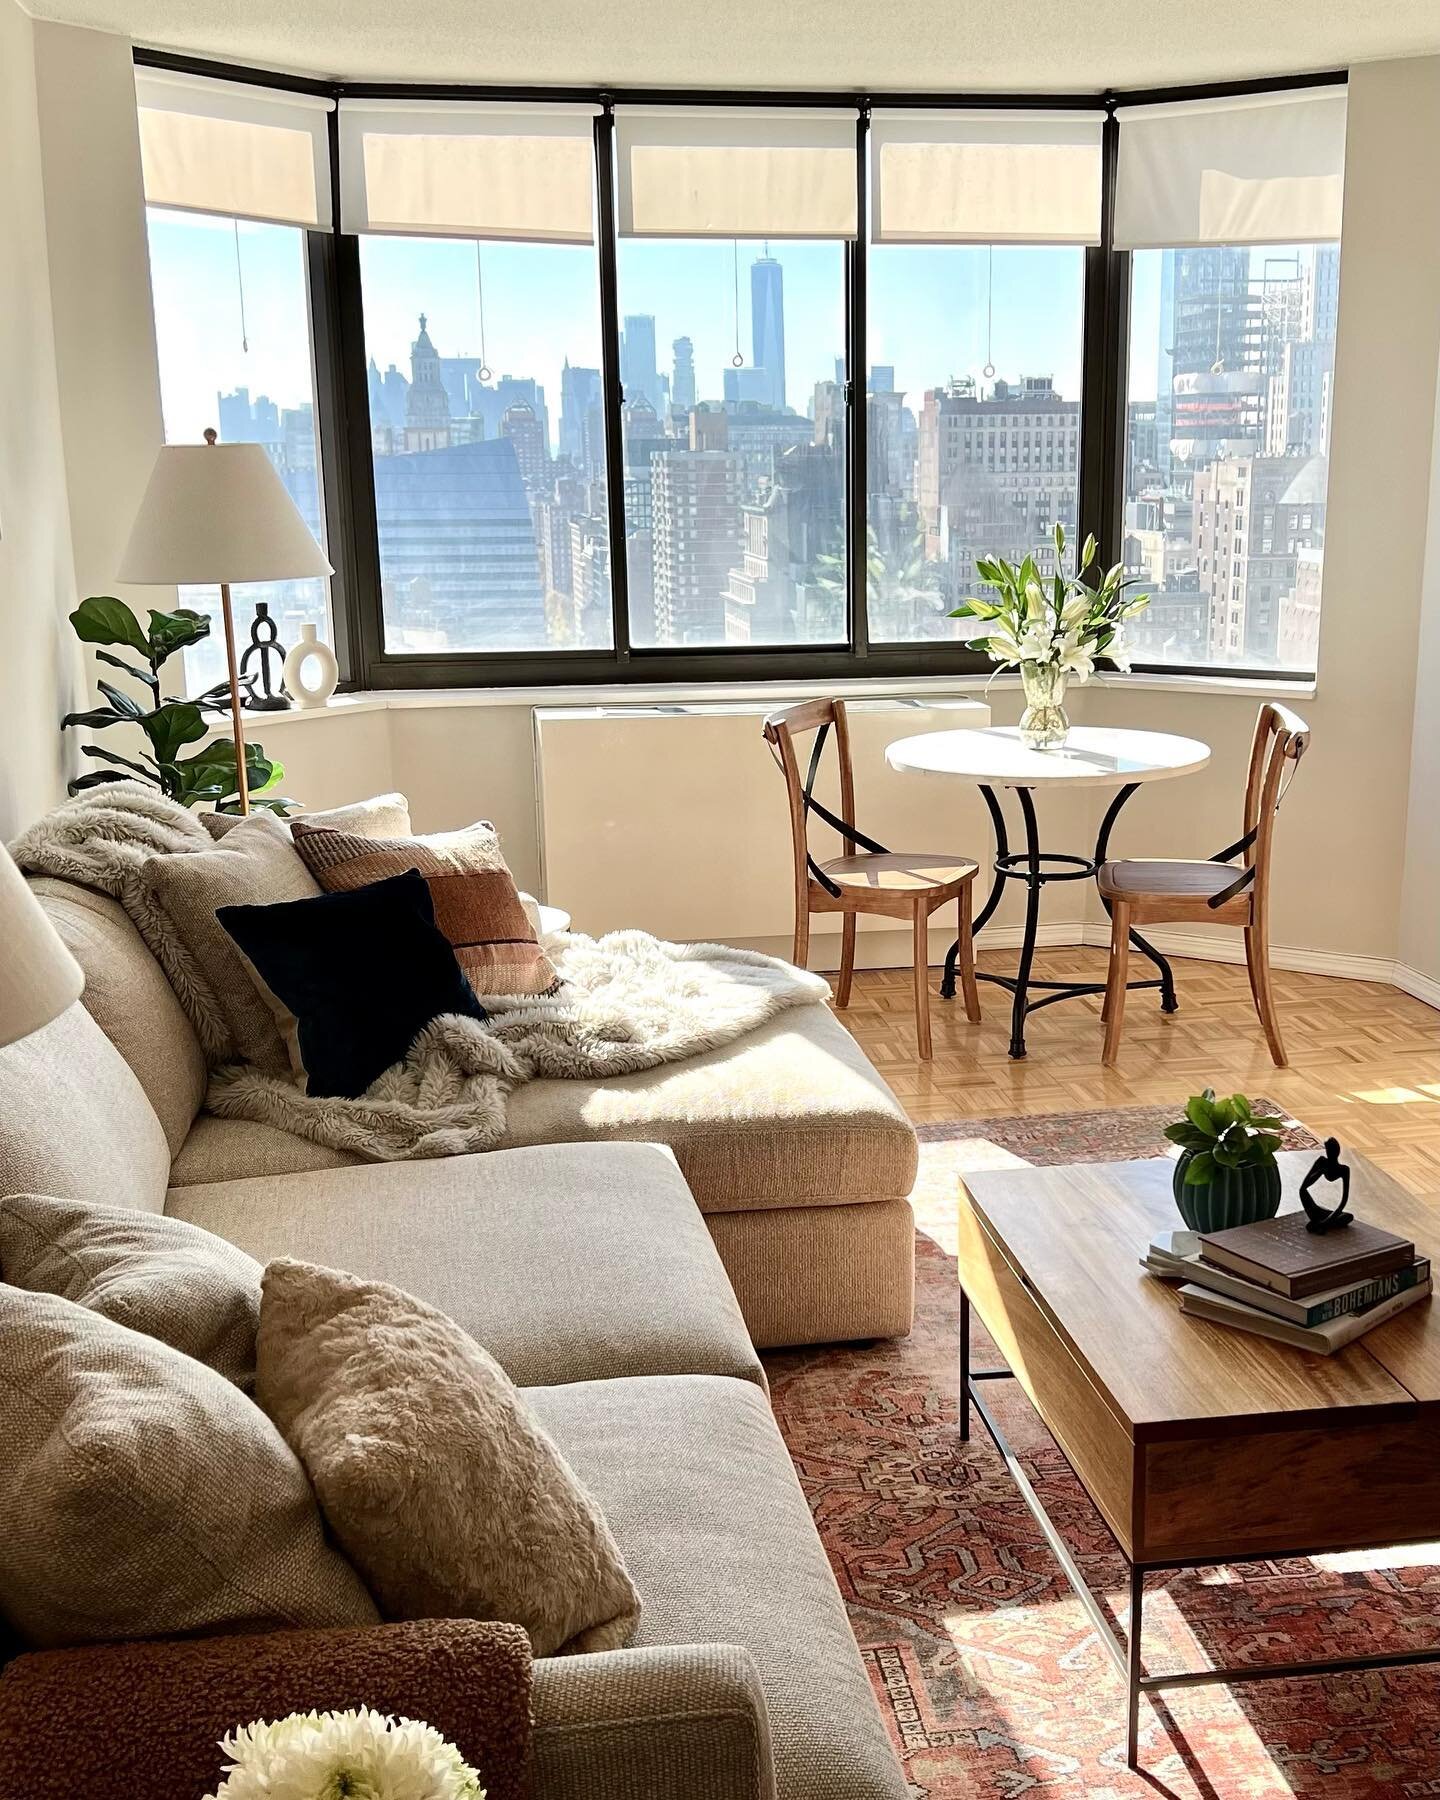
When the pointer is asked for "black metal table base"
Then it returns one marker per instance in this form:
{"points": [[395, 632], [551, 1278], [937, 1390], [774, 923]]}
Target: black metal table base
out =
{"points": [[1030, 867], [1123, 1644]]}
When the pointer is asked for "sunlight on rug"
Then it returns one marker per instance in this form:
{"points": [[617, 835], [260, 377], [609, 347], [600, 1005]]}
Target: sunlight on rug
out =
{"points": [[985, 1667]]}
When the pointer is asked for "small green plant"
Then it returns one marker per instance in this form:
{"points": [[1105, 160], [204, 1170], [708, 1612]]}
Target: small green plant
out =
{"points": [[1224, 1134], [207, 776]]}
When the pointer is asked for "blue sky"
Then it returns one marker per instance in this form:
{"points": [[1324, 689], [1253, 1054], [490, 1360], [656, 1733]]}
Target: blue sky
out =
{"points": [[928, 310]]}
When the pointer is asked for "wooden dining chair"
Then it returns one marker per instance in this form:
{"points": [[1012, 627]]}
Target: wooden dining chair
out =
{"points": [[1216, 891], [872, 880]]}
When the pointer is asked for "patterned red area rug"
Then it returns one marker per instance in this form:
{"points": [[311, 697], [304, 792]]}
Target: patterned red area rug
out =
{"points": [[985, 1666]]}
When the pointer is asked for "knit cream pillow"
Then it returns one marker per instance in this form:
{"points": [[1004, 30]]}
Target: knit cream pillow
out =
{"points": [[164, 1277], [433, 1475], [255, 865], [142, 1495]]}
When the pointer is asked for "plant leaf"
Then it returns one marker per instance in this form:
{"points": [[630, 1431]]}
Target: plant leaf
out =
{"points": [[121, 701], [176, 630], [96, 778], [172, 726], [96, 719], [123, 762], [1201, 1170], [116, 662], [102, 619], [1200, 1111]]}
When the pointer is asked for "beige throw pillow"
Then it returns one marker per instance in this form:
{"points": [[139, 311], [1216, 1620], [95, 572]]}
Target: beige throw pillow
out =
{"points": [[476, 902], [144, 1496], [256, 865], [433, 1475], [386, 815], [163, 1277]]}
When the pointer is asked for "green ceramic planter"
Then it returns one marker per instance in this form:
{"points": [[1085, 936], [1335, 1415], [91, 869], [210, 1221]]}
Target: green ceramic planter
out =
{"points": [[1234, 1197]]}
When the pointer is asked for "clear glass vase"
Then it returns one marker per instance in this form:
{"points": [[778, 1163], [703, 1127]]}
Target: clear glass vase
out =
{"points": [[1044, 723]]}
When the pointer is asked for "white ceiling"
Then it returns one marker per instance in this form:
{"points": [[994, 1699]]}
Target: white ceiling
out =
{"points": [[1048, 45]]}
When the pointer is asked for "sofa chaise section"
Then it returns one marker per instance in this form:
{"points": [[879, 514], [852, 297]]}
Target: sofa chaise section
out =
{"points": [[792, 1145]]}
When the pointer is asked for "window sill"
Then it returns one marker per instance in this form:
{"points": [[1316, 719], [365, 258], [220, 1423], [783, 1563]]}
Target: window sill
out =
{"points": [[1180, 683], [767, 692]]}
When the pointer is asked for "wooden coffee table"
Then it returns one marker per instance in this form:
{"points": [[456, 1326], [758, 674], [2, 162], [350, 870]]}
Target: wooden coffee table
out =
{"points": [[1197, 1443]]}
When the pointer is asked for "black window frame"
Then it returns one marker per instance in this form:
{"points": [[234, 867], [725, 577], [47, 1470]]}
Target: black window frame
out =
{"points": [[342, 416]]}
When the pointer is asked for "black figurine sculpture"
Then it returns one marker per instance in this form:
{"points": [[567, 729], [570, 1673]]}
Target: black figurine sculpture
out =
{"points": [[1327, 1168], [265, 643]]}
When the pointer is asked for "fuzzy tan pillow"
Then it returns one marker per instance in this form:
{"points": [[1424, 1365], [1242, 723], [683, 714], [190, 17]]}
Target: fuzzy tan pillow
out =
{"points": [[432, 1473], [163, 1277]]}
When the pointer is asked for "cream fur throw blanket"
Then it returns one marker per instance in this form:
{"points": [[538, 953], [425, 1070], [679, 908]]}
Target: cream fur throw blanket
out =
{"points": [[629, 1002]]}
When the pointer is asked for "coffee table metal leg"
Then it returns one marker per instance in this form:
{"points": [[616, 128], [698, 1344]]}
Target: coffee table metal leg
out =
{"points": [[964, 1367], [1134, 1674]]}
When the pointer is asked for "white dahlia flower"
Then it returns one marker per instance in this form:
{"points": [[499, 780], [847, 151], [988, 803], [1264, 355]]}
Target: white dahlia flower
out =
{"points": [[344, 1756]]}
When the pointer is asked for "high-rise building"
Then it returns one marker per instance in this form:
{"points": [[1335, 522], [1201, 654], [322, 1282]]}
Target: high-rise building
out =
{"points": [[996, 473], [524, 431], [639, 375], [427, 403], [791, 533], [882, 378], [748, 387], [580, 404], [767, 326], [682, 380], [1253, 515], [695, 522], [458, 559], [1210, 382]]}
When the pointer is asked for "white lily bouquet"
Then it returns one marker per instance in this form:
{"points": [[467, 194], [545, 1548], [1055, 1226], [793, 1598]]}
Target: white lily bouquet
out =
{"points": [[1051, 628], [320, 1756]]}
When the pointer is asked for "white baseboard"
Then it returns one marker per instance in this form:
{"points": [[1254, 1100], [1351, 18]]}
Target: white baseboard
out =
{"points": [[888, 949]]}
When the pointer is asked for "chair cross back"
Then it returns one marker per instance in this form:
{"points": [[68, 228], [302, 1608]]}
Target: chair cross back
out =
{"points": [[1281, 738], [779, 735]]}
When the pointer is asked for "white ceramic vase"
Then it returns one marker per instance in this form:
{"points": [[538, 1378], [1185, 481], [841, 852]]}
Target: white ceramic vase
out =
{"points": [[323, 673]]}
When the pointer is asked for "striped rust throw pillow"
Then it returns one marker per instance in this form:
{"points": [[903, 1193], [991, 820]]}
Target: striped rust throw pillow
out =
{"points": [[476, 902]]}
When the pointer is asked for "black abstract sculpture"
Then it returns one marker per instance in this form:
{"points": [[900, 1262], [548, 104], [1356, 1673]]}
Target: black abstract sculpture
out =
{"points": [[264, 643], [1327, 1168]]}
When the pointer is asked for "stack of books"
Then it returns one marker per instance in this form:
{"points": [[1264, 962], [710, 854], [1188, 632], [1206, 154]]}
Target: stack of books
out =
{"points": [[1317, 1291]]}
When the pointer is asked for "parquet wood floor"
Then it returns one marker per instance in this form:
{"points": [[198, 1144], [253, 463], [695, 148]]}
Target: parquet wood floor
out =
{"points": [[1364, 1058]]}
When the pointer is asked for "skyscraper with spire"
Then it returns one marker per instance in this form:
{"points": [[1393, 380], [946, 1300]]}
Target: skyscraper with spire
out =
{"points": [[427, 404], [767, 325]]}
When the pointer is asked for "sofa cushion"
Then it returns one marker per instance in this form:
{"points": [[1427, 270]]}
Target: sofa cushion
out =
{"points": [[161, 1277], [432, 1473], [566, 1263], [698, 1488], [144, 1495], [128, 996], [234, 1149], [792, 1114], [74, 1119]]}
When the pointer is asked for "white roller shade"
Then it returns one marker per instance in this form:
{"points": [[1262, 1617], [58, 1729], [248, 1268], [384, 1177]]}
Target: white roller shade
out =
{"points": [[985, 177], [244, 152], [736, 172], [469, 170], [1258, 169]]}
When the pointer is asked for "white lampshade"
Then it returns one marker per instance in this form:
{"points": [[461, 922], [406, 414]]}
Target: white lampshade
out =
{"points": [[39, 978], [218, 512]]}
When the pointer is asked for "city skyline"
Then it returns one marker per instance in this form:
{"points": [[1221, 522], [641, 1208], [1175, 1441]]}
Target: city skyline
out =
{"points": [[490, 481]]}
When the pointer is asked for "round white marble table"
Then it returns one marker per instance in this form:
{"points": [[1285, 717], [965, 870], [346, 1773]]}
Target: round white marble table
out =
{"points": [[1090, 757]]}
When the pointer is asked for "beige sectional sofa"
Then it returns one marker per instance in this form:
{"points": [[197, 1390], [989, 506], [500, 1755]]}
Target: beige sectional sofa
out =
{"points": [[581, 1259]]}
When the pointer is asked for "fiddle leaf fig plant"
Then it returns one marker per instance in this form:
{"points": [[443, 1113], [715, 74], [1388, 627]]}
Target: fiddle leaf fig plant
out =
{"points": [[1226, 1134], [206, 777]]}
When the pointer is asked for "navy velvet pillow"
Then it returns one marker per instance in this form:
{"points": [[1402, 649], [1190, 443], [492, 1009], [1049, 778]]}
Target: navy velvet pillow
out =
{"points": [[363, 972]]}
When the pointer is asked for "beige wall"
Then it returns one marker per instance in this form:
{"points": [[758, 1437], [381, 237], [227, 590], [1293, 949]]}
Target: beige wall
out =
{"points": [[38, 666], [1420, 892]]}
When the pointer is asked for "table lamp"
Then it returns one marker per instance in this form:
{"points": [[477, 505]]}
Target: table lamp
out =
{"points": [[218, 513], [39, 978]]}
